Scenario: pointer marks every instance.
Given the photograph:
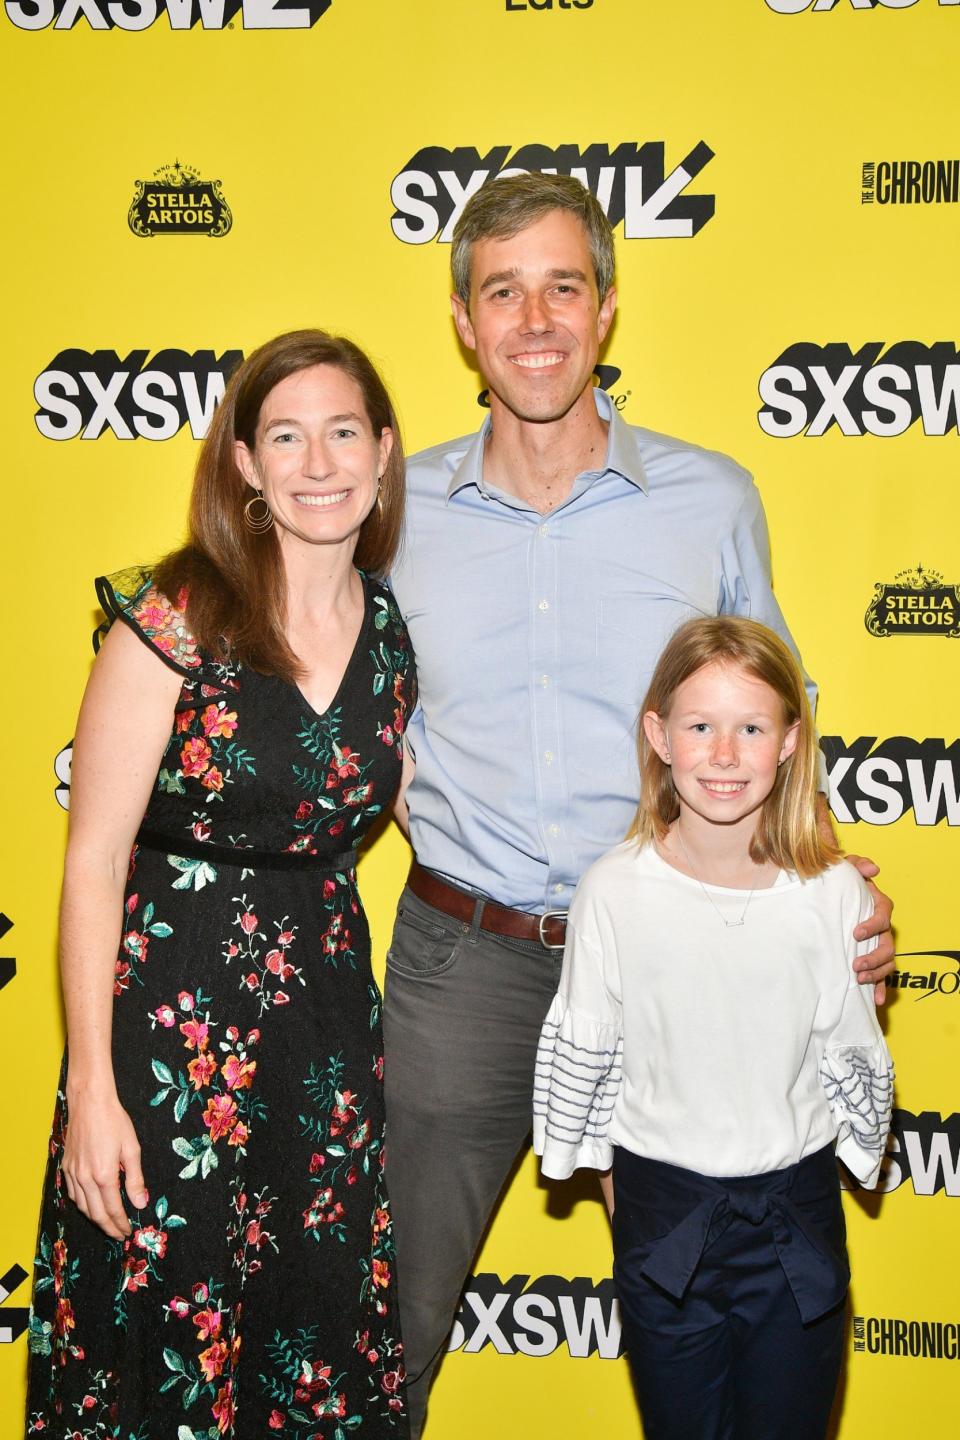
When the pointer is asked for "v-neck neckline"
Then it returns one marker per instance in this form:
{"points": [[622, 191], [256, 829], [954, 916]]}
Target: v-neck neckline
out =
{"points": [[352, 659]]}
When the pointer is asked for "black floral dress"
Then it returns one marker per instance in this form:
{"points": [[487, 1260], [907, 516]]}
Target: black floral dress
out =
{"points": [[256, 1295]]}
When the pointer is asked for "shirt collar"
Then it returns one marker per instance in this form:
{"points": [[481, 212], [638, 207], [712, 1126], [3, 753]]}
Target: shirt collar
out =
{"points": [[622, 458]]}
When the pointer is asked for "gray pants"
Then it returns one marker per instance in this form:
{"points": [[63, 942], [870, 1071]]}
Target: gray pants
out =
{"points": [[462, 1017]]}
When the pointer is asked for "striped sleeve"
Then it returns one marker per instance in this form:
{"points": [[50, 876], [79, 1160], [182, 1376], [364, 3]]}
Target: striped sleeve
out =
{"points": [[856, 1070], [578, 1070]]}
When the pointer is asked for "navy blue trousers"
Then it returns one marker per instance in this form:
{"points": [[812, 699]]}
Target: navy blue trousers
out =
{"points": [[732, 1297]]}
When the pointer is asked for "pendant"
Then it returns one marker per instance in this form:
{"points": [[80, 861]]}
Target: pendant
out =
{"points": [[733, 924]]}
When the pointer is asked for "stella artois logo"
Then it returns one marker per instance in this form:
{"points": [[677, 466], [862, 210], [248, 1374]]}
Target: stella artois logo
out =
{"points": [[917, 602], [178, 202]]}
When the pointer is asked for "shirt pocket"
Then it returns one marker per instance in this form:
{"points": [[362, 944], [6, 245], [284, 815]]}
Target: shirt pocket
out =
{"points": [[632, 630]]}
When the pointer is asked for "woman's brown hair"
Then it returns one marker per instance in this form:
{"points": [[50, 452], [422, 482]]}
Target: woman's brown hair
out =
{"points": [[234, 578], [787, 832]]}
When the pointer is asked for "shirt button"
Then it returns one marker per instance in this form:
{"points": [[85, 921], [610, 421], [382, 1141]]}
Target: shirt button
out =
{"points": [[542, 530], [554, 830], [544, 605], [548, 756], [544, 681], [558, 889]]}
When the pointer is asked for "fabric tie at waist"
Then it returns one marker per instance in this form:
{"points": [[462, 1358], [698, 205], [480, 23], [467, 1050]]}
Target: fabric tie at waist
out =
{"points": [[249, 859], [816, 1275]]}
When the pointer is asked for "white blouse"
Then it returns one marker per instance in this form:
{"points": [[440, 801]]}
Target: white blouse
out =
{"points": [[729, 1051]]}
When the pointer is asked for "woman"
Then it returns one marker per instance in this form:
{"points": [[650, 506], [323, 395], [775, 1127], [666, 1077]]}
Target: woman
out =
{"points": [[215, 1251]]}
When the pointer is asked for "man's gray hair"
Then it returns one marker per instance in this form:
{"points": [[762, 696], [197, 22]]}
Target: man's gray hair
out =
{"points": [[503, 207]]}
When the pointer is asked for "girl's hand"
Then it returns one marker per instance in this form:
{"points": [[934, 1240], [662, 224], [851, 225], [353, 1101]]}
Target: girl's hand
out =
{"points": [[101, 1141]]}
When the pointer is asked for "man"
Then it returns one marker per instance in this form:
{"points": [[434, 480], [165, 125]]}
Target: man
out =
{"points": [[546, 561]]}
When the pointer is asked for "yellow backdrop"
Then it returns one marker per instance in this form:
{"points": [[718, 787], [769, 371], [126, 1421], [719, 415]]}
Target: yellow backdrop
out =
{"points": [[193, 176]]}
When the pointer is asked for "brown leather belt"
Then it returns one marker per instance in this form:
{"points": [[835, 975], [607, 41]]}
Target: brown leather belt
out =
{"points": [[548, 929]]}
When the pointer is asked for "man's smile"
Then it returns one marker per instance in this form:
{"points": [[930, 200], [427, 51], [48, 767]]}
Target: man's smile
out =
{"points": [[539, 359]]}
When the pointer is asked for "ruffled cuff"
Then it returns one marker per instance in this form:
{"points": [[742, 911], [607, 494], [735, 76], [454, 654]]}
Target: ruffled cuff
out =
{"points": [[858, 1083], [577, 1079]]}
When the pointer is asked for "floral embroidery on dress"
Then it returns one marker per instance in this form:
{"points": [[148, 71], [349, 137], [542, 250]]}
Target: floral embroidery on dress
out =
{"points": [[337, 785], [203, 1378], [265, 974], [136, 942], [131, 595], [248, 1231], [141, 1255], [336, 1122], [221, 1088], [164, 622], [204, 748]]}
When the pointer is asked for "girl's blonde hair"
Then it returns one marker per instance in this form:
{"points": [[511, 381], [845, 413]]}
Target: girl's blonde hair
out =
{"points": [[787, 833]]}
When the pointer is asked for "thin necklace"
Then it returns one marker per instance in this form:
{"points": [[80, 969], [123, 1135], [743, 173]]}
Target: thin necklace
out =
{"points": [[730, 924]]}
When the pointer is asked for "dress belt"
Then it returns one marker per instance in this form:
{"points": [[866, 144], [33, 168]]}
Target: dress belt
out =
{"points": [[253, 859], [817, 1277], [548, 928]]}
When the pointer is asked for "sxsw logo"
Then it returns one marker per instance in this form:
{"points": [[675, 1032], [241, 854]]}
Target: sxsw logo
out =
{"points": [[62, 765], [631, 183], [794, 7], [181, 14], [87, 394], [13, 1318], [879, 784], [924, 1149], [814, 387], [8, 964], [523, 1317]]}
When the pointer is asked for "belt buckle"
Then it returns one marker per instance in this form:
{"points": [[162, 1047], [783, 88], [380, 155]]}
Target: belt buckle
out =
{"points": [[549, 915]]}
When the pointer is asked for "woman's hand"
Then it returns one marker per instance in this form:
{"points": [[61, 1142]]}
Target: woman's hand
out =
{"points": [[101, 1141], [124, 725]]}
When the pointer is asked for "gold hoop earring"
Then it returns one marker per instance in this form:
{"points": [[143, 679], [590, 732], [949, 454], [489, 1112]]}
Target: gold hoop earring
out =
{"points": [[259, 524]]}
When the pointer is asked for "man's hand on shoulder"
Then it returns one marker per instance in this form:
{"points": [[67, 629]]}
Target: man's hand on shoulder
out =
{"points": [[878, 963]]}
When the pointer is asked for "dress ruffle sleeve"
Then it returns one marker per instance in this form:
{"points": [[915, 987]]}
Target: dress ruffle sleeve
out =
{"points": [[577, 1080], [131, 596]]}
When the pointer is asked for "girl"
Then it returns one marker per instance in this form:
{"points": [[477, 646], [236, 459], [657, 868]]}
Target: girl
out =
{"points": [[709, 1038]]}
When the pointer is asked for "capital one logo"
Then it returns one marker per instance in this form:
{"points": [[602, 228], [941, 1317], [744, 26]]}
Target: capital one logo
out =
{"points": [[875, 391], [181, 14], [630, 181], [794, 7], [88, 394]]}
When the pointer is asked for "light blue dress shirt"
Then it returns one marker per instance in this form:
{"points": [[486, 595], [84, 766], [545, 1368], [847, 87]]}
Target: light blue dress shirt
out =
{"points": [[536, 637]]}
